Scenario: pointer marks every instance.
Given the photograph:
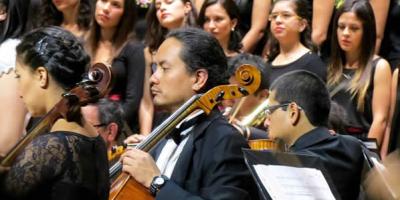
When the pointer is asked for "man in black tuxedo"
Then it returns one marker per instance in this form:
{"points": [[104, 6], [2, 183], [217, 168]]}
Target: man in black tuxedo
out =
{"points": [[206, 160], [298, 115]]}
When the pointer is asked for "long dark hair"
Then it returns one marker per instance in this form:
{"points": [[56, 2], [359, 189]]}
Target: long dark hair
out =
{"points": [[51, 16], [361, 80], [302, 9], [155, 32], [233, 12], [14, 25], [125, 30]]}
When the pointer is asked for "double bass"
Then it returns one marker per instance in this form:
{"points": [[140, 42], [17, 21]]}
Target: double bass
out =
{"points": [[97, 85], [125, 187]]}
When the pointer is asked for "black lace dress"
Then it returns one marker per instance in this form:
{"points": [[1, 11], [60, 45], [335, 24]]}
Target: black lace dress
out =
{"points": [[59, 165]]}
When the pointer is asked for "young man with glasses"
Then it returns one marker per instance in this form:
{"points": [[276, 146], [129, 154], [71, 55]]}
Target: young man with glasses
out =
{"points": [[298, 115]]}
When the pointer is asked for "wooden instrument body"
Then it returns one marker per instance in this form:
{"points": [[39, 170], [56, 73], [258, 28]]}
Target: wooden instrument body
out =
{"points": [[123, 187]]}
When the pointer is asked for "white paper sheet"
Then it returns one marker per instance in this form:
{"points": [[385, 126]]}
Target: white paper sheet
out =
{"points": [[293, 183]]}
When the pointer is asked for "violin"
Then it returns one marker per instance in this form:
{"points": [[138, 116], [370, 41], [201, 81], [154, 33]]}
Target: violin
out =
{"points": [[95, 86], [124, 187]]}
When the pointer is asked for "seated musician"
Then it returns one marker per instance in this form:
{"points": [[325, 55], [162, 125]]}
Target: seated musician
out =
{"points": [[204, 159], [240, 108], [69, 161], [107, 117], [298, 115]]}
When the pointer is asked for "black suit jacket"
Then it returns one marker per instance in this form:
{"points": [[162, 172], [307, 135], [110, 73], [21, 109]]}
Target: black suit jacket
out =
{"points": [[341, 156], [211, 165]]}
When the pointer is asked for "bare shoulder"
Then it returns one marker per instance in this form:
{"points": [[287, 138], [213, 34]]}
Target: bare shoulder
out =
{"points": [[382, 70], [382, 63]]}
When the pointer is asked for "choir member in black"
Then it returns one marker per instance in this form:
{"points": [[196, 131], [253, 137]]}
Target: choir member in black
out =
{"points": [[291, 47]]}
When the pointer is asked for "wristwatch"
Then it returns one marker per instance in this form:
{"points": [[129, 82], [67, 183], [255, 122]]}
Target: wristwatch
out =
{"points": [[157, 183]]}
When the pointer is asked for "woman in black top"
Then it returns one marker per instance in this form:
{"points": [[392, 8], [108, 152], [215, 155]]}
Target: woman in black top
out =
{"points": [[221, 18], [390, 48], [73, 15], [291, 44], [70, 161], [253, 21], [112, 40], [359, 80]]}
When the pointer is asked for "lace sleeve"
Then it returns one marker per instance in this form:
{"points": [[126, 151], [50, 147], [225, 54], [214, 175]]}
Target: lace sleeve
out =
{"points": [[39, 162]]}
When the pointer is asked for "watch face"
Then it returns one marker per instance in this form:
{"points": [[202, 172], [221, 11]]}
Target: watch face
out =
{"points": [[159, 181]]}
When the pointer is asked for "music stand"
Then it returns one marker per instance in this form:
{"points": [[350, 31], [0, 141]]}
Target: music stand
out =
{"points": [[273, 158]]}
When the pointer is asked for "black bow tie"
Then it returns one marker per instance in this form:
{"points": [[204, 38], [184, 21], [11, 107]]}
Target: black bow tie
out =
{"points": [[176, 132]]}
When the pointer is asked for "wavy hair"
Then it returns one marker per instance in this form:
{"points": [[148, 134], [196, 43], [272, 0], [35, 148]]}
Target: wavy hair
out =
{"points": [[235, 40], [50, 16], [58, 51], [302, 9], [61, 54], [360, 82], [125, 30], [15, 24], [155, 32]]}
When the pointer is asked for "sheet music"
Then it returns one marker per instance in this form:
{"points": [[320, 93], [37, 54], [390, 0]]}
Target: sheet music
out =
{"points": [[294, 183]]}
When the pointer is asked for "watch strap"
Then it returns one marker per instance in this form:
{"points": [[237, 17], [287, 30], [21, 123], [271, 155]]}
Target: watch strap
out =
{"points": [[155, 187]]}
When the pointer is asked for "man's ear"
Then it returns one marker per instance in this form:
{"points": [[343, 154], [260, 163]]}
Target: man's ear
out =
{"points": [[294, 113], [200, 79], [112, 131], [42, 76]]}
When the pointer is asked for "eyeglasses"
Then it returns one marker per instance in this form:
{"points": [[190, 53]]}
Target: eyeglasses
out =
{"points": [[99, 125], [283, 15], [271, 109]]}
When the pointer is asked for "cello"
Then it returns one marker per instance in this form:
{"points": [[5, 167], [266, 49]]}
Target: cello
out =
{"points": [[97, 85], [125, 187]]}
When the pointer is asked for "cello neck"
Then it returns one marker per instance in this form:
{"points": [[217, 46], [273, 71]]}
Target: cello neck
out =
{"points": [[169, 124]]}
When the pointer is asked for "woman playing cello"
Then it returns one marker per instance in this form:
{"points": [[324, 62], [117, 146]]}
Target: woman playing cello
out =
{"points": [[68, 161]]}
